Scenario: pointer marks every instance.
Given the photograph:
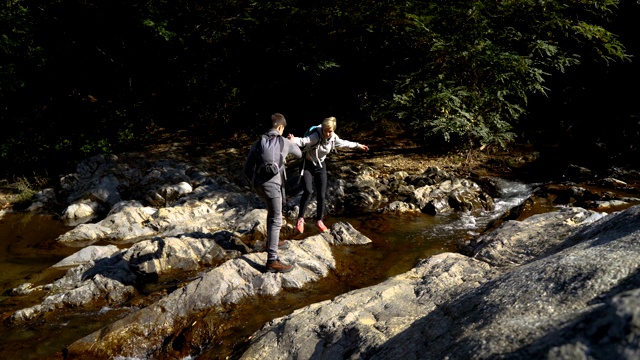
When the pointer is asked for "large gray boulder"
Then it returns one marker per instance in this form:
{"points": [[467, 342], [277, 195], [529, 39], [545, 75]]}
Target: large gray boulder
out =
{"points": [[573, 294]]}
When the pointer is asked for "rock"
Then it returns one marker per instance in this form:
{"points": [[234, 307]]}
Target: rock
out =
{"points": [[612, 182], [82, 211], [130, 221], [107, 280], [87, 254], [144, 332], [159, 256], [430, 176], [452, 194], [107, 274], [356, 324], [252, 226], [400, 207], [167, 194], [579, 298], [518, 242], [345, 234], [43, 199]]}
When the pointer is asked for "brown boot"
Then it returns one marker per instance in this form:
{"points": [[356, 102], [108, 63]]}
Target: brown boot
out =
{"points": [[275, 266]]}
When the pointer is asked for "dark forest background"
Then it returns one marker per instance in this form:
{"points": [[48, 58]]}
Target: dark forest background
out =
{"points": [[79, 78]]}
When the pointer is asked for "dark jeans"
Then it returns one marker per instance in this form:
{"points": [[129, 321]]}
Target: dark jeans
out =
{"points": [[313, 175]]}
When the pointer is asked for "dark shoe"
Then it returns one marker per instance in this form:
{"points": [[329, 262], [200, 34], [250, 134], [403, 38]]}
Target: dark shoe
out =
{"points": [[277, 267], [300, 225], [320, 226]]}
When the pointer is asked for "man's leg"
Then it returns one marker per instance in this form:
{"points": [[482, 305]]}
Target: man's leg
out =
{"points": [[273, 200], [272, 196]]}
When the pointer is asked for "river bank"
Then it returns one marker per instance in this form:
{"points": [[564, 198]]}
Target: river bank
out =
{"points": [[221, 204]]}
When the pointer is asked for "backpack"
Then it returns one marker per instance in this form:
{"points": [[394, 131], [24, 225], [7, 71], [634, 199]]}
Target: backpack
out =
{"points": [[270, 160], [312, 129]]}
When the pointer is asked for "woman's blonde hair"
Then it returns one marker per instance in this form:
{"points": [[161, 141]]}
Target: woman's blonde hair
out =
{"points": [[329, 122]]}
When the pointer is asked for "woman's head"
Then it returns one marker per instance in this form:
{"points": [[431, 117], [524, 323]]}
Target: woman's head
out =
{"points": [[328, 126]]}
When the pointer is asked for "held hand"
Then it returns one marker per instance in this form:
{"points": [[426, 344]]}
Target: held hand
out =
{"points": [[290, 136], [364, 147]]}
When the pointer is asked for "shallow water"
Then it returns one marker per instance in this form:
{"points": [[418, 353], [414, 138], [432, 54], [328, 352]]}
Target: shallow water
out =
{"points": [[27, 246], [27, 249], [399, 242]]}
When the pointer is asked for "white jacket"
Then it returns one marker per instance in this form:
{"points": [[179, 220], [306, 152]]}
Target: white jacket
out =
{"points": [[316, 148]]}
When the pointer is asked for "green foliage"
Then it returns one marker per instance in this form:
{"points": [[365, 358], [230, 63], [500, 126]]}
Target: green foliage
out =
{"points": [[476, 62], [80, 78], [24, 189], [18, 49]]}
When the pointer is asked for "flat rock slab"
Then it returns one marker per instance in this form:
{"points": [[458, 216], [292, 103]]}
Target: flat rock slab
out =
{"points": [[578, 300], [143, 333]]}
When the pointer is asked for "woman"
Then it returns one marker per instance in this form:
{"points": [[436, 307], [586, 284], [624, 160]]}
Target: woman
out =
{"points": [[316, 148]]}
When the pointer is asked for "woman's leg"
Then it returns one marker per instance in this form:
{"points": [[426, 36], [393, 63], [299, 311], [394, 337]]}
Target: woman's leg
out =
{"points": [[307, 188], [320, 180]]}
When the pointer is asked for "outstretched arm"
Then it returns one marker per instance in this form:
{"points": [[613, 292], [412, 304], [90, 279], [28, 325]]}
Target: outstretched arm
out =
{"points": [[292, 148], [350, 144], [304, 141]]}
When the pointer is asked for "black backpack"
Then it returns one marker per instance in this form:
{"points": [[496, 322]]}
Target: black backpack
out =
{"points": [[270, 160]]}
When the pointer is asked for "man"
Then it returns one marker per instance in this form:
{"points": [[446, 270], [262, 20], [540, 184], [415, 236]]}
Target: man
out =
{"points": [[270, 188]]}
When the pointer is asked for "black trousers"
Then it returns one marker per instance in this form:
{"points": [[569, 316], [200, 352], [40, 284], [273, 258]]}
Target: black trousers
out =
{"points": [[313, 175]]}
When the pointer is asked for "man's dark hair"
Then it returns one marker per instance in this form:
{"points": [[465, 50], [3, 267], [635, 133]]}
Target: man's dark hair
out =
{"points": [[278, 119]]}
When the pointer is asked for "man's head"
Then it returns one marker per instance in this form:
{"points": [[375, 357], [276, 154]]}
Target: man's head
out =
{"points": [[278, 122]]}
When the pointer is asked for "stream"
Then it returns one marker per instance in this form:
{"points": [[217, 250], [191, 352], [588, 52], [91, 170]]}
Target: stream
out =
{"points": [[399, 242]]}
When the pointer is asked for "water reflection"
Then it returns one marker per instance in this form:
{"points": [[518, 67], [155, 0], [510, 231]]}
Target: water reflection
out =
{"points": [[27, 246], [27, 250]]}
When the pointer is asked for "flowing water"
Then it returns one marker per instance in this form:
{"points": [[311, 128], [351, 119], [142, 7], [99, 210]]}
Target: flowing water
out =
{"points": [[399, 242]]}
